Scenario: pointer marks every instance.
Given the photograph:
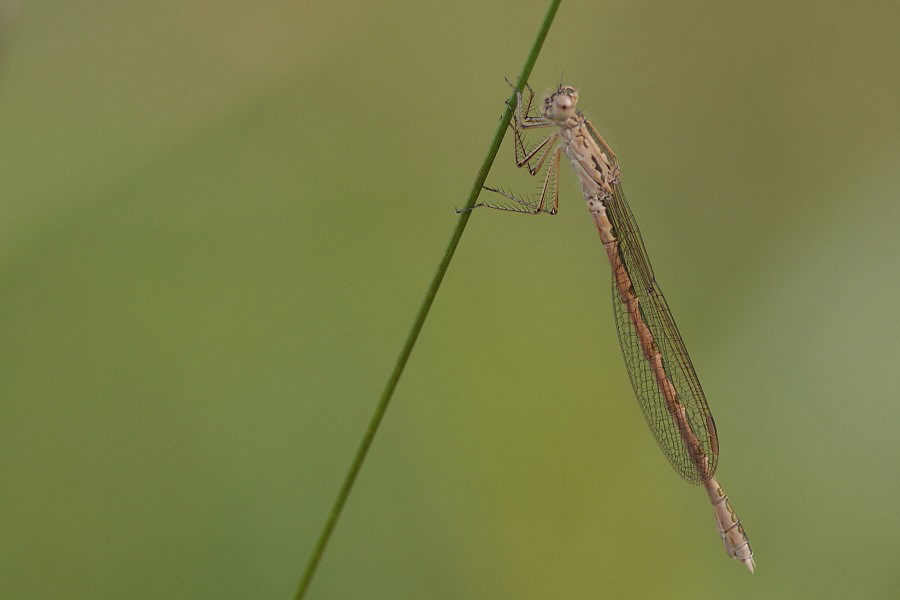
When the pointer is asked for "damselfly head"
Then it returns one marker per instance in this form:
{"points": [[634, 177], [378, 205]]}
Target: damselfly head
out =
{"points": [[560, 105]]}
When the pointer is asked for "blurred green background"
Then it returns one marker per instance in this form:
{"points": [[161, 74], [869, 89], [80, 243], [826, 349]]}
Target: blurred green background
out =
{"points": [[217, 222]]}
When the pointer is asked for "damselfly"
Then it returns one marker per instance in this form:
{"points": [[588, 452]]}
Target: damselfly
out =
{"points": [[661, 373]]}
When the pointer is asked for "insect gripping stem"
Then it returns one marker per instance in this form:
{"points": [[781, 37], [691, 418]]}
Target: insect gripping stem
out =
{"points": [[664, 381]]}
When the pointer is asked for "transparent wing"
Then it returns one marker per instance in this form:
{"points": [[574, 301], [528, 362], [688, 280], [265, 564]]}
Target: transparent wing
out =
{"points": [[695, 465]]}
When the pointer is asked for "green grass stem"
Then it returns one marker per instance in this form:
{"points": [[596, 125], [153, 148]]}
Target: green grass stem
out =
{"points": [[410, 342]]}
